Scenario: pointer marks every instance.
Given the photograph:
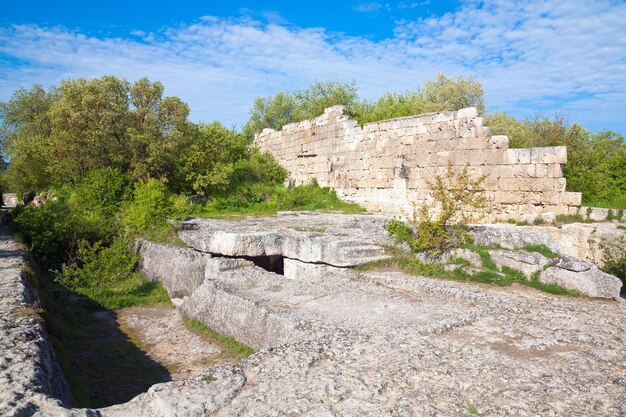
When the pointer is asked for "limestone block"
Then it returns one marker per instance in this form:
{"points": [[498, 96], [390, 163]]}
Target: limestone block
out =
{"points": [[589, 281], [550, 155], [499, 142], [516, 156], [598, 214], [468, 112]]}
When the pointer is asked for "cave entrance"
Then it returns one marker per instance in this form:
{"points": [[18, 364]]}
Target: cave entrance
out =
{"points": [[271, 263]]}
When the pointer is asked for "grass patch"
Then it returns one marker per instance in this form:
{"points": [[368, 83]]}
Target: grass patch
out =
{"points": [[621, 227], [615, 202], [473, 410], [263, 200], [485, 258], [228, 344], [134, 290], [542, 249], [209, 378], [571, 218], [408, 264]]}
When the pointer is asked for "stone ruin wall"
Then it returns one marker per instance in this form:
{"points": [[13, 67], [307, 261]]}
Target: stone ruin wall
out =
{"points": [[385, 165]]}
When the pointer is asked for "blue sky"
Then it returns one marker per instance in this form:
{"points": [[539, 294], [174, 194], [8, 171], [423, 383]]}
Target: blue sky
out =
{"points": [[533, 56]]}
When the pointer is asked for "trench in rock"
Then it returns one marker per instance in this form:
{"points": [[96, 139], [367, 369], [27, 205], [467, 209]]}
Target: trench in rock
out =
{"points": [[111, 356]]}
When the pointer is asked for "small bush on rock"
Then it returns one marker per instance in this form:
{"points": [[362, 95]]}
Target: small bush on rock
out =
{"points": [[438, 227]]}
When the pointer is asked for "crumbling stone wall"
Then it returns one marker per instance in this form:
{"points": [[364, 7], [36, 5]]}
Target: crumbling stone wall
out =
{"points": [[385, 166]]}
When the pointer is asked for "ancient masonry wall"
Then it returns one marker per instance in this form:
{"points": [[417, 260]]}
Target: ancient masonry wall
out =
{"points": [[386, 165]]}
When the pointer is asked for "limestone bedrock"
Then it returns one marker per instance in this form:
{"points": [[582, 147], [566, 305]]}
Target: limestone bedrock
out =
{"points": [[386, 165], [333, 341]]}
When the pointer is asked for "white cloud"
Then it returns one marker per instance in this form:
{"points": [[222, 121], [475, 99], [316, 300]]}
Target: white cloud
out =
{"points": [[369, 7], [532, 56]]}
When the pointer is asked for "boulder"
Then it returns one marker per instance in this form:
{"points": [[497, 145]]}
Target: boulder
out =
{"points": [[548, 217], [527, 262], [180, 270], [589, 281], [469, 255]]}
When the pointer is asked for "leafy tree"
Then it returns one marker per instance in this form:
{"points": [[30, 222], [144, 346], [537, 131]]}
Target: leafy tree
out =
{"points": [[210, 161], [321, 95], [270, 112], [391, 105], [159, 129], [24, 134], [283, 108], [451, 94], [89, 123]]}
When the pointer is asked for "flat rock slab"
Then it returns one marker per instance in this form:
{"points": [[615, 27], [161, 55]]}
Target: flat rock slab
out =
{"points": [[309, 237], [160, 331]]}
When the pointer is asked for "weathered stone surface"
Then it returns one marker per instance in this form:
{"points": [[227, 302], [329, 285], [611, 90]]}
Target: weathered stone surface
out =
{"points": [[512, 237], [469, 255], [386, 165], [590, 281], [313, 238], [527, 262], [180, 270], [580, 240], [350, 343], [28, 368]]}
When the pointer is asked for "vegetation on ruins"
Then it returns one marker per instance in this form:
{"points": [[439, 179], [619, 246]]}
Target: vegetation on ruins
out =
{"points": [[441, 224], [460, 270], [614, 257]]}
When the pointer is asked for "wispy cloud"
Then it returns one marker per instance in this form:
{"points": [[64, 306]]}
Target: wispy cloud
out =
{"points": [[368, 7], [532, 56]]}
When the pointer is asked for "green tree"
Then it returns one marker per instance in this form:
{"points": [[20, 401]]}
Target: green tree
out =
{"points": [[270, 112], [159, 129], [391, 105], [321, 95], [24, 134], [89, 124], [276, 111], [210, 161], [450, 94]]}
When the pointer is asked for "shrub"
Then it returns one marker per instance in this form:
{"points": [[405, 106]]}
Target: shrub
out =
{"points": [[106, 275], [150, 207], [102, 190], [48, 230], [443, 225], [614, 258]]}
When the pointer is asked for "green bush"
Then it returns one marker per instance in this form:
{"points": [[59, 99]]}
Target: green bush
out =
{"points": [[614, 258], [312, 197], [48, 230], [102, 191], [454, 196], [150, 207], [106, 275]]}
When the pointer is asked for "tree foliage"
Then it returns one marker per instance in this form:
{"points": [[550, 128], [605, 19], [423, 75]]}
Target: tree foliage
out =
{"points": [[276, 111], [442, 94], [61, 135]]}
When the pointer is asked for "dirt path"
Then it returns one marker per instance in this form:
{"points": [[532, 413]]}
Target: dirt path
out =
{"points": [[160, 331]]}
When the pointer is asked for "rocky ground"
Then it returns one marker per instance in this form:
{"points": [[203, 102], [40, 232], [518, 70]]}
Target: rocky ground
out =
{"points": [[161, 332], [333, 341]]}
